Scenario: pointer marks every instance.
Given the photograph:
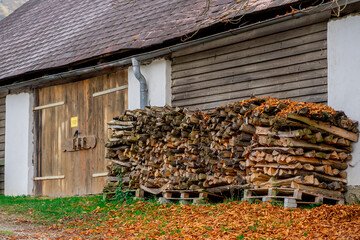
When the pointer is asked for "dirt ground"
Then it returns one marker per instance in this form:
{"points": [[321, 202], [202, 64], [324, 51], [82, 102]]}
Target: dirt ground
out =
{"points": [[14, 227]]}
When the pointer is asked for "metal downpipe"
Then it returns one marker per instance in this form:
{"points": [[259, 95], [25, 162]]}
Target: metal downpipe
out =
{"points": [[143, 85]]}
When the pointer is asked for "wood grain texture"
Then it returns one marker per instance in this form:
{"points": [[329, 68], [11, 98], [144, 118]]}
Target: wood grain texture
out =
{"points": [[260, 32], [54, 128], [289, 38], [318, 94], [254, 55], [286, 60]]}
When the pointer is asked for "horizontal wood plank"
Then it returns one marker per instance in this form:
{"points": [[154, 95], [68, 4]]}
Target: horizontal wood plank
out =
{"points": [[96, 175], [3, 93], [288, 61], [2, 116], [296, 95], [283, 37], [2, 146], [2, 130], [51, 105], [264, 31], [246, 87], [110, 91], [262, 73], [257, 59], [49, 178], [274, 91], [303, 44], [2, 100], [2, 108], [319, 98], [254, 80]]}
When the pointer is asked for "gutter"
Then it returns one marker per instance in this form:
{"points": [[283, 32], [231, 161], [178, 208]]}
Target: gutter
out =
{"points": [[171, 49], [143, 85]]}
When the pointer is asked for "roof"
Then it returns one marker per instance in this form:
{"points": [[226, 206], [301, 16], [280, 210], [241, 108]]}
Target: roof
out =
{"points": [[45, 34]]}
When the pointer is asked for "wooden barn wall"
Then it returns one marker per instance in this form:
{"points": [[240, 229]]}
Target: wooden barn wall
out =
{"points": [[283, 60], [2, 141], [53, 128]]}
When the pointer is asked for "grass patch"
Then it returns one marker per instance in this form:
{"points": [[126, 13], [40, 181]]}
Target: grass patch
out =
{"points": [[55, 210], [6, 233]]}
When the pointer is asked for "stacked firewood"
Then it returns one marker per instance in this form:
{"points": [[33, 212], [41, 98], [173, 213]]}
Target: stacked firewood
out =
{"points": [[119, 149], [299, 145], [268, 142], [175, 148]]}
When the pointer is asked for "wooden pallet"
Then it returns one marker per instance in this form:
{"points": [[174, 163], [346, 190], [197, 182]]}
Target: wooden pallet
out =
{"points": [[191, 196], [290, 197], [135, 193]]}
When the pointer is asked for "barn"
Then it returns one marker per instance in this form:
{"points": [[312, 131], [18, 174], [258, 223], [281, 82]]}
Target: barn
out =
{"points": [[67, 68]]}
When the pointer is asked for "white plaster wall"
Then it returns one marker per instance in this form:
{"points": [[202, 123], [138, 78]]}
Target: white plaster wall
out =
{"points": [[344, 76], [158, 79], [19, 145]]}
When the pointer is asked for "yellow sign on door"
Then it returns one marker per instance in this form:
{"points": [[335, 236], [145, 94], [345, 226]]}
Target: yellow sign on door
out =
{"points": [[74, 122]]}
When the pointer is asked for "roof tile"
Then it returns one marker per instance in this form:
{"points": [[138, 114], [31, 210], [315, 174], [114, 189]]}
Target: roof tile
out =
{"points": [[51, 33]]}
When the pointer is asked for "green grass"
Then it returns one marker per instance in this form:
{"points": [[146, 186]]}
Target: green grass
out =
{"points": [[55, 210], [6, 233]]}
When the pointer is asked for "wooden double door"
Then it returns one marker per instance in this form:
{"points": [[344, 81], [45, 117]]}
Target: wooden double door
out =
{"points": [[61, 112]]}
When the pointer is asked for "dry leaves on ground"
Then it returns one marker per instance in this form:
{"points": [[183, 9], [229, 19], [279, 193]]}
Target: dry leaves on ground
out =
{"points": [[234, 220]]}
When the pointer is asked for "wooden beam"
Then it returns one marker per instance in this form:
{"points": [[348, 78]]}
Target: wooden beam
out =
{"points": [[154, 191], [95, 175], [109, 91], [321, 177], [49, 178], [48, 106], [316, 190], [329, 128], [221, 189]]}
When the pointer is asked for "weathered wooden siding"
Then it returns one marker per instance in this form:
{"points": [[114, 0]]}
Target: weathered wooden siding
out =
{"points": [[2, 141], [284, 60], [53, 128]]}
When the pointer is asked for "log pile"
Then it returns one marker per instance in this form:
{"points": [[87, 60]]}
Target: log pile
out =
{"points": [[176, 149], [300, 145], [268, 142]]}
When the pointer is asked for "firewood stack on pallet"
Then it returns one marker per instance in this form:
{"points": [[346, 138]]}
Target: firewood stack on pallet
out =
{"points": [[302, 146], [169, 148], [268, 142]]}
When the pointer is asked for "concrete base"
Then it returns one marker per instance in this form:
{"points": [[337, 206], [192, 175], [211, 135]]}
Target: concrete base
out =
{"points": [[353, 194], [290, 203], [162, 200]]}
